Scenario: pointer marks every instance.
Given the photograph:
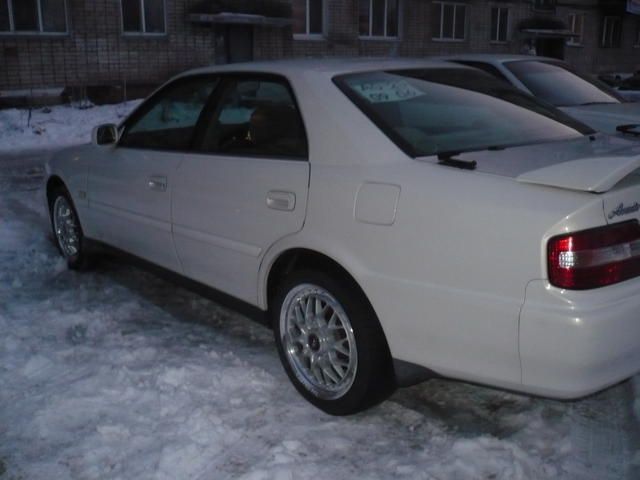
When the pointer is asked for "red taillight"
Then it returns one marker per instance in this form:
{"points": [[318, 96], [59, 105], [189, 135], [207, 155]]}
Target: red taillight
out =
{"points": [[595, 258]]}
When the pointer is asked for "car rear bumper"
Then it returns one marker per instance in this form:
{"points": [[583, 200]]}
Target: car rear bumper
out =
{"points": [[575, 343]]}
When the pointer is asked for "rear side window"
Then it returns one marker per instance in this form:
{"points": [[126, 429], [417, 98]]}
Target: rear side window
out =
{"points": [[168, 119], [254, 117], [444, 110]]}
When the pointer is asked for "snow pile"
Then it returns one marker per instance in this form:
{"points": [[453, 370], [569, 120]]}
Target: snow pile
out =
{"points": [[117, 374], [57, 126]]}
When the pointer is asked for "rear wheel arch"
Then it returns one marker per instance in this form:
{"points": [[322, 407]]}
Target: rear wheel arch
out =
{"points": [[297, 259], [315, 274]]}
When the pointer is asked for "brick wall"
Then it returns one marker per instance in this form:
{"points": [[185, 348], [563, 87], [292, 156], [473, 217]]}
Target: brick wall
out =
{"points": [[95, 52], [416, 38]]}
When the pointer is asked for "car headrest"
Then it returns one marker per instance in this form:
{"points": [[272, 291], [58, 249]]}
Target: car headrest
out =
{"points": [[270, 123]]}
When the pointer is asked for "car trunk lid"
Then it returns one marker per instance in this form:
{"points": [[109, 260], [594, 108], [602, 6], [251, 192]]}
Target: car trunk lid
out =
{"points": [[597, 174], [623, 201], [617, 178]]}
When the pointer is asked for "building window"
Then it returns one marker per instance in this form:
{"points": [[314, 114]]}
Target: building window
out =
{"points": [[143, 16], [544, 5], [576, 25], [33, 16], [379, 18], [611, 32], [499, 24], [449, 21], [308, 17]]}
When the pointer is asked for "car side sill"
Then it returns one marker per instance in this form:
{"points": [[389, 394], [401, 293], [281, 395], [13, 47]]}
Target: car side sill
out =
{"points": [[408, 374], [254, 313]]}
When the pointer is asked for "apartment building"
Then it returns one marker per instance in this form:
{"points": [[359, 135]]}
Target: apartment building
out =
{"points": [[56, 44]]}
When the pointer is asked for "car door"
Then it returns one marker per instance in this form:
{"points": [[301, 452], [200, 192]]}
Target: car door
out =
{"points": [[247, 188], [129, 185]]}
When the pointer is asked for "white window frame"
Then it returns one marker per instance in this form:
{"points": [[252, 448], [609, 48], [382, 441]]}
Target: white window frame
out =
{"points": [[500, 12], [308, 35], [573, 17], [370, 36], [40, 30], [607, 21], [143, 21], [439, 37]]}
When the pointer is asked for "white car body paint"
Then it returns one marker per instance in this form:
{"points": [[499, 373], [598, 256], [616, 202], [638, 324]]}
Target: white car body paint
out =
{"points": [[598, 174], [129, 206], [457, 277], [222, 219]]}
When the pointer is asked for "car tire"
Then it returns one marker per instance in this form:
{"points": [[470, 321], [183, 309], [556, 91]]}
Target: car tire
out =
{"points": [[331, 344], [67, 230]]}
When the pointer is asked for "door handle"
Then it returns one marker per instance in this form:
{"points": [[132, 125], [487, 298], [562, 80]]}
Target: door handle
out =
{"points": [[157, 182], [281, 200]]}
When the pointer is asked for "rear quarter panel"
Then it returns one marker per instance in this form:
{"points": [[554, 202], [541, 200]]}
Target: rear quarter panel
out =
{"points": [[447, 278]]}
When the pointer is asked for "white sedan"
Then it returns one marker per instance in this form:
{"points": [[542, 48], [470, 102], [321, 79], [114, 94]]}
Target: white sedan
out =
{"points": [[395, 219], [584, 98]]}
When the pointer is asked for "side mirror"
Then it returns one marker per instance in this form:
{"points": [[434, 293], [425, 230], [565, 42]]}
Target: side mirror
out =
{"points": [[106, 134]]}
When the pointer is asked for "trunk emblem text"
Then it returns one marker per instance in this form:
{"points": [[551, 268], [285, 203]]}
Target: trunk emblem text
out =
{"points": [[624, 210]]}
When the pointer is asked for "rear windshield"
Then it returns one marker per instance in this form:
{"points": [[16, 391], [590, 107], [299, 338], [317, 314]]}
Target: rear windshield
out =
{"points": [[443, 110], [560, 86]]}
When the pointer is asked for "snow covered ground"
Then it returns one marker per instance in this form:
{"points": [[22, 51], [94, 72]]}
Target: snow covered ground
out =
{"points": [[56, 126], [118, 374]]}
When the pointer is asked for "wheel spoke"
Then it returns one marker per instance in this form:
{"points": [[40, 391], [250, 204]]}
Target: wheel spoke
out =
{"points": [[330, 375], [308, 310], [318, 341], [66, 227], [340, 367], [317, 372], [299, 319], [338, 362], [340, 348], [333, 323], [290, 339]]}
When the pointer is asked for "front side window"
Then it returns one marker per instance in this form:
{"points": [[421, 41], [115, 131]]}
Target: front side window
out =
{"points": [[143, 16], [611, 32], [443, 110], [378, 18], [33, 16], [449, 21], [558, 85], [499, 24], [308, 17], [576, 25], [167, 120], [255, 117]]}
